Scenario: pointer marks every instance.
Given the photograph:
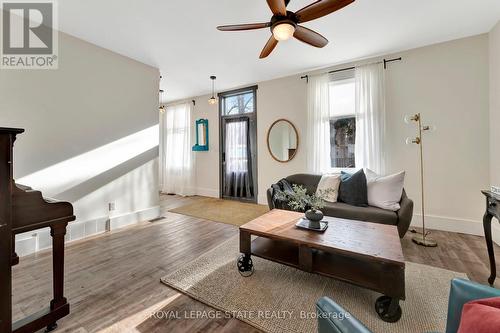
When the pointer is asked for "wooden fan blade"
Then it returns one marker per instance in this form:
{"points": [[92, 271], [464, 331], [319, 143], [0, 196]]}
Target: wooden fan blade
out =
{"points": [[278, 7], [237, 27], [320, 8], [270, 45], [310, 37]]}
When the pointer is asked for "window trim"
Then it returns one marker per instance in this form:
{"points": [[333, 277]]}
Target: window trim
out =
{"points": [[223, 95], [343, 75]]}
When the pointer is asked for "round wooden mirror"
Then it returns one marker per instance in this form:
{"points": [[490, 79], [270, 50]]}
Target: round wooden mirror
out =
{"points": [[282, 140]]}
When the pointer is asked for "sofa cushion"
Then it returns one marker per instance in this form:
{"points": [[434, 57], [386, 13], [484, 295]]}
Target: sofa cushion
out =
{"points": [[329, 182], [369, 213], [310, 182], [385, 191], [481, 316], [353, 189]]}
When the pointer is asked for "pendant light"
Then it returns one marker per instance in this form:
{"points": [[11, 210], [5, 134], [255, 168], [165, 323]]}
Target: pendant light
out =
{"points": [[213, 100], [162, 107]]}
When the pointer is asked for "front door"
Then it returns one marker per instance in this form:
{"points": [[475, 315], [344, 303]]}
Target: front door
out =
{"points": [[238, 145]]}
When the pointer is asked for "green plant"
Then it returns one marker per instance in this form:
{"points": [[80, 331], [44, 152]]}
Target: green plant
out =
{"points": [[299, 200]]}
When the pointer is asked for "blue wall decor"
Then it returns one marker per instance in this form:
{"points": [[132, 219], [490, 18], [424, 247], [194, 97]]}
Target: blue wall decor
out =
{"points": [[201, 135]]}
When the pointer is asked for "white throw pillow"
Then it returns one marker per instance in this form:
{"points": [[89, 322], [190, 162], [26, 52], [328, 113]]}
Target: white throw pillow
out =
{"points": [[385, 191], [331, 181]]}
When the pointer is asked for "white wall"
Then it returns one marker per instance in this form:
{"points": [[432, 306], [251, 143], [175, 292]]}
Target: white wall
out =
{"points": [[447, 83], [282, 98], [207, 162], [495, 105], [91, 136]]}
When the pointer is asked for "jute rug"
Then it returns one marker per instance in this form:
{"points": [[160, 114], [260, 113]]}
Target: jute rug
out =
{"points": [[225, 211], [278, 298]]}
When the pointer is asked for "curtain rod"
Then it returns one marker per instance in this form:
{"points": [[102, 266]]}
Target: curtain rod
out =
{"points": [[385, 62]]}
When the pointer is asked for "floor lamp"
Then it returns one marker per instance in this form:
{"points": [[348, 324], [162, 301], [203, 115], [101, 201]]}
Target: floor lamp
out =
{"points": [[420, 238]]}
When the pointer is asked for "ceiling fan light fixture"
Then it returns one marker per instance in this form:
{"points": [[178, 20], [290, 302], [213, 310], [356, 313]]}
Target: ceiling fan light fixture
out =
{"points": [[285, 24], [283, 31]]}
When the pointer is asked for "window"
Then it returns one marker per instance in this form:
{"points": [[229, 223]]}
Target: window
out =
{"points": [[342, 121], [240, 103], [177, 125], [236, 146]]}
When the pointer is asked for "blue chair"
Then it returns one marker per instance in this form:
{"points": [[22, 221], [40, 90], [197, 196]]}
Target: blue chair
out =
{"points": [[331, 316]]}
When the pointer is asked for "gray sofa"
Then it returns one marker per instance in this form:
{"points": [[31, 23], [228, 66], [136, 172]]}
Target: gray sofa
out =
{"points": [[401, 218]]}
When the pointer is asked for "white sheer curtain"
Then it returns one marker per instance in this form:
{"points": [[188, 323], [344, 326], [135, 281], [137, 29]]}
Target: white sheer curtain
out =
{"points": [[318, 124], [238, 178], [236, 147], [370, 117], [176, 156]]}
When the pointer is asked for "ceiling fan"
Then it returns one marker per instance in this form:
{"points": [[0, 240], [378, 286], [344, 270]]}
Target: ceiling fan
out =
{"points": [[285, 24]]}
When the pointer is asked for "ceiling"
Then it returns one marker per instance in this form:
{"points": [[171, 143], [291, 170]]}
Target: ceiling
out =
{"points": [[180, 38]]}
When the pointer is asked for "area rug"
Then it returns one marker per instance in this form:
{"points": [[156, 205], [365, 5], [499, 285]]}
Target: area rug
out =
{"points": [[278, 298], [225, 211]]}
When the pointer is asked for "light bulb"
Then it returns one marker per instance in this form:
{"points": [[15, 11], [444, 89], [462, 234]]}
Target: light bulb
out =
{"points": [[283, 31], [212, 101], [410, 141], [162, 109]]}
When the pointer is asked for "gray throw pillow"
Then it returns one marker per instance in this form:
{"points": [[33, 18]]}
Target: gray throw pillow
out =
{"points": [[284, 186], [353, 189]]}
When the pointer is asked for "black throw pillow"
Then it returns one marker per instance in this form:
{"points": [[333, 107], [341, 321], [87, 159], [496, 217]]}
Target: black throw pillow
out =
{"points": [[353, 189]]}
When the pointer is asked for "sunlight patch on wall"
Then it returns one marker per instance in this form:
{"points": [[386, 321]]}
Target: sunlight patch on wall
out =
{"points": [[67, 174]]}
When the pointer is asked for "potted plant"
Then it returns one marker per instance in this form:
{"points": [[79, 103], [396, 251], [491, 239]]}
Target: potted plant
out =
{"points": [[300, 201]]}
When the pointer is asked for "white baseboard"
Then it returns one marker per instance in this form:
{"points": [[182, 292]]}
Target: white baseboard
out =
{"points": [[26, 246], [124, 220], [34, 241], [207, 192], [464, 226], [79, 230]]}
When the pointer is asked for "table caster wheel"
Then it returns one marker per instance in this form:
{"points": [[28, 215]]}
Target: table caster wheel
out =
{"points": [[245, 265], [388, 309], [51, 327]]}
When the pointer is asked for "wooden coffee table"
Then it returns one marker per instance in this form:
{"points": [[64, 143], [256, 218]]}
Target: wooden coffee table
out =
{"points": [[362, 253]]}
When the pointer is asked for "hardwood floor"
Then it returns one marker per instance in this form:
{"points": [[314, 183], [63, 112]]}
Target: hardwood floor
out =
{"points": [[113, 280]]}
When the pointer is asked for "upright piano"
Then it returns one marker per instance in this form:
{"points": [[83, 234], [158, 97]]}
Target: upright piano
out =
{"points": [[23, 209]]}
